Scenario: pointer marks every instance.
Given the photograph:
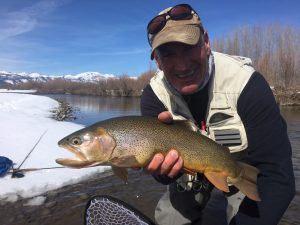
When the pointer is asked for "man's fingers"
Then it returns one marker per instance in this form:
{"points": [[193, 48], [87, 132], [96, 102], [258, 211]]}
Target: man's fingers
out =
{"points": [[170, 160], [171, 164], [176, 168], [155, 163], [165, 117]]}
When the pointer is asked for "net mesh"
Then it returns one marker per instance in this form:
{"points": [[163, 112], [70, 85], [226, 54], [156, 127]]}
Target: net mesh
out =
{"points": [[105, 210]]}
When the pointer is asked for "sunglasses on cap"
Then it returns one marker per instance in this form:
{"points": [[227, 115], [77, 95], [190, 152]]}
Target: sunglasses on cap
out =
{"points": [[178, 12]]}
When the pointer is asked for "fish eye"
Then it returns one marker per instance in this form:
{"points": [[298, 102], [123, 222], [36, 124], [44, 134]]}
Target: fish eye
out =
{"points": [[76, 141]]}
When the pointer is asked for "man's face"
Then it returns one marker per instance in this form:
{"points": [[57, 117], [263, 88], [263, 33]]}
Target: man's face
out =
{"points": [[184, 65]]}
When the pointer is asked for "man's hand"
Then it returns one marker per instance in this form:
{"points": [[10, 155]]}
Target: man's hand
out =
{"points": [[170, 164]]}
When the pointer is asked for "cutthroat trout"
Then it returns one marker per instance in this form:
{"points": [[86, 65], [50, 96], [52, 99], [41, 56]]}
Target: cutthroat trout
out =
{"points": [[132, 141]]}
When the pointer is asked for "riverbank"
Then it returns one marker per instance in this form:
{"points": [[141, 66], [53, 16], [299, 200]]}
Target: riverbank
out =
{"points": [[29, 139], [283, 97], [67, 204], [287, 97]]}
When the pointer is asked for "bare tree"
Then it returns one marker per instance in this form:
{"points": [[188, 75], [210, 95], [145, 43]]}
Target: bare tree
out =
{"points": [[274, 50]]}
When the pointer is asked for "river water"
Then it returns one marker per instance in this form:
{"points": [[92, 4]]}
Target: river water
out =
{"points": [[67, 205]]}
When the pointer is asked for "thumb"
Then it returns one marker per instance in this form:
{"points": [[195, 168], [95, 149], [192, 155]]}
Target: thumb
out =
{"points": [[165, 117]]}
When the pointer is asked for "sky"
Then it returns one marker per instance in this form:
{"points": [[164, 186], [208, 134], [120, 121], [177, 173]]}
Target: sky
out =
{"points": [[60, 37], [24, 118]]}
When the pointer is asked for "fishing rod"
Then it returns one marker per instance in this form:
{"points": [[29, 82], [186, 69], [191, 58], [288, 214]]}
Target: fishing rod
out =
{"points": [[17, 173]]}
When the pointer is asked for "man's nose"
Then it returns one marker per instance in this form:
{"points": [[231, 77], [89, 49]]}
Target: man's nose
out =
{"points": [[182, 63]]}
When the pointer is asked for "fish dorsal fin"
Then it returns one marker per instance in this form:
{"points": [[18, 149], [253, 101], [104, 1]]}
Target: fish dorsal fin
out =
{"points": [[120, 172], [218, 179], [187, 124]]}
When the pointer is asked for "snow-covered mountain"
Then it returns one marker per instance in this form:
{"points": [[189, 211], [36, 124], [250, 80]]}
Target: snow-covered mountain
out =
{"points": [[17, 78], [88, 76]]}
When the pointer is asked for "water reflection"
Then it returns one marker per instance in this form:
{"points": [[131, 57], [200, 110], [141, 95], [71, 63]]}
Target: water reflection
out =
{"points": [[291, 114], [292, 117], [92, 109]]}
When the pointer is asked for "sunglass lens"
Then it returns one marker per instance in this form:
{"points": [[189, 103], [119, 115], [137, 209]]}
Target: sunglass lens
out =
{"points": [[156, 24], [181, 12]]}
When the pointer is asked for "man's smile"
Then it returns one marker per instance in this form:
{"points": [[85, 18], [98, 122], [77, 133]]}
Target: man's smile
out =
{"points": [[185, 75]]}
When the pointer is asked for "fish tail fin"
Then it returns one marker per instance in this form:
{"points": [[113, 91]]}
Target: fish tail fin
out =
{"points": [[247, 182]]}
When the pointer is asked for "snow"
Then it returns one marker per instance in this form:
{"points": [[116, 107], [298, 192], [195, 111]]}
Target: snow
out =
{"points": [[39, 200], [8, 81], [24, 118], [34, 75], [88, 76], [17, 91]]}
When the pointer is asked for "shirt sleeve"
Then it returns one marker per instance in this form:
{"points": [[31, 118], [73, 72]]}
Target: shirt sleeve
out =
{"points": [[150, 104], [269, 150]]}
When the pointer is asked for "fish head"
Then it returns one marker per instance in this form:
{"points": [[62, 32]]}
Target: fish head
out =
{"points": [[91, 146]]}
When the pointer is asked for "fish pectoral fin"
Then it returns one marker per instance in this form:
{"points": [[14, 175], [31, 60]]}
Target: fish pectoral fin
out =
{"points": [[218, 179], [188, 171], [125, 161], [73, 163], [120, 172]]}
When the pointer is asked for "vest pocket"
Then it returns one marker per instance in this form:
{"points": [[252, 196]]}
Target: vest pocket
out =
{"points": [[228, 137], [219, 118], [226, 128]]}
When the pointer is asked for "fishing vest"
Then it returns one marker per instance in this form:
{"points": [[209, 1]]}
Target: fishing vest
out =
{"points": [[228, 79], [224, 125]]}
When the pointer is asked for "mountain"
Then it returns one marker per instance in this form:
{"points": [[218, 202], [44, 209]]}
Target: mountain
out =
{"points": [[88, 76], [17, 78]]}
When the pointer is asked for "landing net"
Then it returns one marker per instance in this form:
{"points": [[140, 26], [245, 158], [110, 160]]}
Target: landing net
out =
{"points": [[105, 210]]}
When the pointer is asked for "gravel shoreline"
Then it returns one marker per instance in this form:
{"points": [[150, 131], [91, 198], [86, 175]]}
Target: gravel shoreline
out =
{"points": [[67, 205], [290, 97]]}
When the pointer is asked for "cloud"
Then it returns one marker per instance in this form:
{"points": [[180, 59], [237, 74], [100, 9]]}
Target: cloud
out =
{"points": [[116, 52], [25, 20]]}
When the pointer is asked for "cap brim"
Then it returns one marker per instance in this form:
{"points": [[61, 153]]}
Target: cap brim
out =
{"points": [[186, 34]]}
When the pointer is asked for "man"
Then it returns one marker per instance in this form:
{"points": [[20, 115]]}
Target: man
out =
{"points": [[233, 105]]}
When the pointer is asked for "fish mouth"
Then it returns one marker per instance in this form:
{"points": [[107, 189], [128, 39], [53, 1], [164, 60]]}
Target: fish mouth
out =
{"points": [[78, 154], [79, 161]]}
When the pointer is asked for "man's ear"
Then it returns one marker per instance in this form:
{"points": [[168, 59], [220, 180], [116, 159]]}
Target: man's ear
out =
{"points": [[157, 60], [207, 43]]}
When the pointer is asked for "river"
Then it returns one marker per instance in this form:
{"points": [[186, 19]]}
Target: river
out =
{"points": [[67, 205]]}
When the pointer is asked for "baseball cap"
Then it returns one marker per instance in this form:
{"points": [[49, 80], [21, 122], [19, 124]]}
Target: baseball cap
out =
{"points": [[186, 31]]}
